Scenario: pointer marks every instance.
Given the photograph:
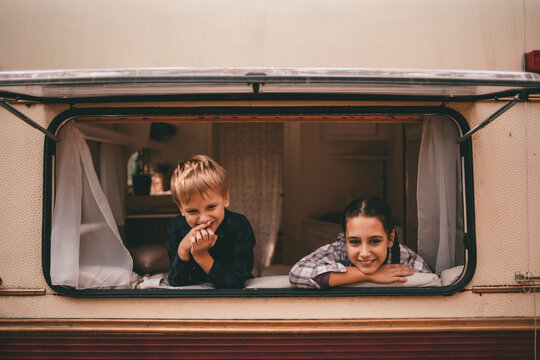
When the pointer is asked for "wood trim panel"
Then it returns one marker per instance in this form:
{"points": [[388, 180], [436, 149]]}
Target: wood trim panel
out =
{"points": [[22, 292], [268, 326]]}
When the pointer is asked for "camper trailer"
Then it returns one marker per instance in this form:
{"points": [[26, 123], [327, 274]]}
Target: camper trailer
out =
{"points": [[87, 161]]}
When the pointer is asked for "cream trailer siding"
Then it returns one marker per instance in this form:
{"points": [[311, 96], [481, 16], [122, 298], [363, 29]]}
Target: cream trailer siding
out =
{"points": [[59, 34], [513, 134], [464, 35]]}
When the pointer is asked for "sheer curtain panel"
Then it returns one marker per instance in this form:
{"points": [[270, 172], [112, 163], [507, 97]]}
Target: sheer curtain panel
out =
{"points": [[438, 193], [86, 247]]}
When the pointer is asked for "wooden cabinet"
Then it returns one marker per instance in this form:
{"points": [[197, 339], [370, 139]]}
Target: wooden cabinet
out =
{"points": [[147, 218], [318, 233]]}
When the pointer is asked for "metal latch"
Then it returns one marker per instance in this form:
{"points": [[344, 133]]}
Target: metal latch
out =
{"points": [[526, 278], [527, 284]]}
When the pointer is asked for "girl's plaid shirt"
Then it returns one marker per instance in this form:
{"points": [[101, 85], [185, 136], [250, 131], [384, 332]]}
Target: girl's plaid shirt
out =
{"points": [[334, 258]]}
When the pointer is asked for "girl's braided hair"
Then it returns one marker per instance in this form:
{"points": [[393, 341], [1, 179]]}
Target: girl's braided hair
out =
{"points": [[374, 207]]}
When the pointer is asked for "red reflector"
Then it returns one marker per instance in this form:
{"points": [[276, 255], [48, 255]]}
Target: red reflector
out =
{"points": [[532, 61]]}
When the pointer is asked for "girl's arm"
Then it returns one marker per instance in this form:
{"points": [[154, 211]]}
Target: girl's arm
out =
{"points": [[386, 274], [352, 275], [326, 259]]}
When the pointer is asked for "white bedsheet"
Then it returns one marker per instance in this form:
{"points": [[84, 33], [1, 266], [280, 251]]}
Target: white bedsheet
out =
{"points": [[282, 282], [160, 281]]}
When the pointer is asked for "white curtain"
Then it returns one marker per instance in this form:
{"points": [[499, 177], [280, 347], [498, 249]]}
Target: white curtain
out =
{"points": [[438, 193], [252, 155], [112, 164], [86, 248]]}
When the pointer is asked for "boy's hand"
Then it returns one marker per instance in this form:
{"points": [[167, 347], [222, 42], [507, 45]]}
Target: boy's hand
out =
{"points": [[203, 240], [200, 244], [184, 248], [390, 273]]}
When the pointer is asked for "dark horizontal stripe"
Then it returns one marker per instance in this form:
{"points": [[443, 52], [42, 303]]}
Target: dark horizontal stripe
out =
{"points": [[428, 345]]}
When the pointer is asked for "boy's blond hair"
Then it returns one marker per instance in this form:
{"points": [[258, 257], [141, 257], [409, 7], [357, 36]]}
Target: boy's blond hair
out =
{"points": [[197, 175]]}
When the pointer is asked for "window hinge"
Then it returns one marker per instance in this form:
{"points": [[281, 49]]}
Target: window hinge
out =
{"points": [[27, 120], [519, 97], [256, 86]]}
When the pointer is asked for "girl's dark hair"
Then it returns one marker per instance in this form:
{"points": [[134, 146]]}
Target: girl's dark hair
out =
{"points": [[374, 207]]}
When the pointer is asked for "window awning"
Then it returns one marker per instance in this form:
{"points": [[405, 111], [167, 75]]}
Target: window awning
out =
{"points": [[154, 84], [68, 86]]}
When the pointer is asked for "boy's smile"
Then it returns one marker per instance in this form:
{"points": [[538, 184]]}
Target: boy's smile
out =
{"points": [[205, 208], [367, 243]]}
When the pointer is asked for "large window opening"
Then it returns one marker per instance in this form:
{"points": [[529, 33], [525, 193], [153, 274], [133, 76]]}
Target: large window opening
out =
{"points": [[291, 178]]}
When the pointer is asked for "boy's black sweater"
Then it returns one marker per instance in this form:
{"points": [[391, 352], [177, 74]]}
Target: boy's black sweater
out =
{"points": [[232, 253]]}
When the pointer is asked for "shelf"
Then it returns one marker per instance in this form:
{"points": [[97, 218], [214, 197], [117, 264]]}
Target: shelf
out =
{"points": [[151, 216], [362, 157], [150, 206], [321, 222], [106, 135], [318, 232]]}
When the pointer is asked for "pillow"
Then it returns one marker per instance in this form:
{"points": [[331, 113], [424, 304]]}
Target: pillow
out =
{"points": [[269, 282], [282, 282], [449, 276], [161, 281], [101, 277], [149, 259], [416, 279]]}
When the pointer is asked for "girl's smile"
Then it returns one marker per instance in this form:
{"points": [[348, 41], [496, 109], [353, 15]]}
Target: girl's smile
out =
{"points": [[367, 243]]}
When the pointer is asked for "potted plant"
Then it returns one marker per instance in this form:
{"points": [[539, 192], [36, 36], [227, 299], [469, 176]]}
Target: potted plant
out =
{"points": [[165, 169], [140, 176], [161, 177]]}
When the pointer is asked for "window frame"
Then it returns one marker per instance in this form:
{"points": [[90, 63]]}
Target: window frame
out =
{"points": [[283, 111]]}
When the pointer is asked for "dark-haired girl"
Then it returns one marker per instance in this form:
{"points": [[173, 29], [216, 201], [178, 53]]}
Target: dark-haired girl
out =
{"points": [[367, 250]]}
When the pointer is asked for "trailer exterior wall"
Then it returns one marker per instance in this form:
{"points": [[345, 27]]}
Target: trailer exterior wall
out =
{"points": [[506, 194], [61, 34]]}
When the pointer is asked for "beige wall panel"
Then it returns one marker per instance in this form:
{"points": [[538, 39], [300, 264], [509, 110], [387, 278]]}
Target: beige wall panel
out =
{"points": [[532, 113], [532, 25], [506, 198], [462, 34], [459, 305], [21, 191], [484, 34], [500, 181]]}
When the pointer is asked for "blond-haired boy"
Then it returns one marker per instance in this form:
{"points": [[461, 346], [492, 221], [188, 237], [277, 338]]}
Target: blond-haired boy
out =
{"points": [[207, 242]]}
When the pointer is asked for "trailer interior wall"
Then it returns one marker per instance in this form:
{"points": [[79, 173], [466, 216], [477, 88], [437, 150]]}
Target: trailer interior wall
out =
{"points": [[461, 34], [506, 200]]}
